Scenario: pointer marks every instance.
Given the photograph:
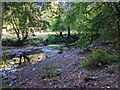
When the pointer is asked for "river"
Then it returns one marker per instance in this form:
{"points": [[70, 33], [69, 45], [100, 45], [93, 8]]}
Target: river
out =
{"points": [[8, 71]]}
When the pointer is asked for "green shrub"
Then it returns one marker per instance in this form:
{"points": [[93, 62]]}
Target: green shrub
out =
{"points": [[10, 40], [56, 39], [100, 57], [50, 70], [85, 39], [34, 41]]}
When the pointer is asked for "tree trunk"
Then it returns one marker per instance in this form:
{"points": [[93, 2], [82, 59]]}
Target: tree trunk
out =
{"points": [[25, 35], [0, 29], [61, 35], [0, 40], [17, 33], [68, 32], [118, 43], [118, 27]]}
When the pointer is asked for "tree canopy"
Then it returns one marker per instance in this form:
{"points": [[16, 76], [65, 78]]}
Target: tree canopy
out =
{"points": [[93, 21]]}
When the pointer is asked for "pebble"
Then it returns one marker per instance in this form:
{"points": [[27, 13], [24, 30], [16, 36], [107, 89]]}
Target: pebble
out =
{"points": [[50, 84], [108, 86], [90, 84], [79, 75], [94, 78], [10, 84], [95, 84], [33, 69]]}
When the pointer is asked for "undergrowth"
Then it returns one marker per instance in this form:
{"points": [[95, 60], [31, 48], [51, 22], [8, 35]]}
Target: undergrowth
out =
{"points": [[100, 57], [50, 70]]}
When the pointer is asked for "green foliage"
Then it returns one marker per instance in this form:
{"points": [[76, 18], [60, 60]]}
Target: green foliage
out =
{"points": [[4, 55], [100, 57], [21, 16], [50, 70], [56, 39], [105, 24], [34, 41], [4, 58], [82, 42], [94, 22], [58, 24], [10, 40], [85, 39]]}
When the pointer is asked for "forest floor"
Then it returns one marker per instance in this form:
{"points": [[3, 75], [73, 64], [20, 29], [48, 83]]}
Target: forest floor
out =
{"points": [[72, 75]]}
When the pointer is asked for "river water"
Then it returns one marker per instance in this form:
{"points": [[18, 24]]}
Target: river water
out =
{"points": [[9, 71]]}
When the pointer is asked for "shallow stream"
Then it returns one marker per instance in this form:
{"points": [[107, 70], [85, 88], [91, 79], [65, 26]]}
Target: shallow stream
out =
{"points": [[8, 70]]}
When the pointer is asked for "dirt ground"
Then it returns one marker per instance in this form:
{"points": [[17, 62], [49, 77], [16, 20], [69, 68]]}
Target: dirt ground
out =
{"points": [[72, 76]]}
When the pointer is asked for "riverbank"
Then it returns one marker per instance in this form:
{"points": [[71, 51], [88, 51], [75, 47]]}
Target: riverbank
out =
{"points": [[72, 76]]}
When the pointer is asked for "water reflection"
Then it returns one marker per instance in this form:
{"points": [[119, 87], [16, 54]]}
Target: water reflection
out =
{"points": [[10, 67], [35, 54]]}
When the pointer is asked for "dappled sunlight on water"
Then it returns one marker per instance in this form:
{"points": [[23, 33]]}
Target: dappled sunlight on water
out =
{"points": [[36, 54], [15, 61], [10, 68], [37, 57]]}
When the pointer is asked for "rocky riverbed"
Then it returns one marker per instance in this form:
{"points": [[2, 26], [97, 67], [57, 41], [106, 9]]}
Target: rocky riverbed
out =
{"points": [[72, 76], [9, 70]]}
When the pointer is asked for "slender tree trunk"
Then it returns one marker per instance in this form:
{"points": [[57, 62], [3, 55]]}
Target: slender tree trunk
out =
{"points": [[17, 33], [16, 30], [18, 37], [0, 29], [61, 35], [68, 31], [25, 35], [118, 42], [118, 27], [0, 40]]}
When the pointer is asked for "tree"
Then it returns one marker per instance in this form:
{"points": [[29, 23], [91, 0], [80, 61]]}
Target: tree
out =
{"points": [[69, 19], [0, 30], [58, 20], [114, 8], [95, 21], [21, 16]]}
